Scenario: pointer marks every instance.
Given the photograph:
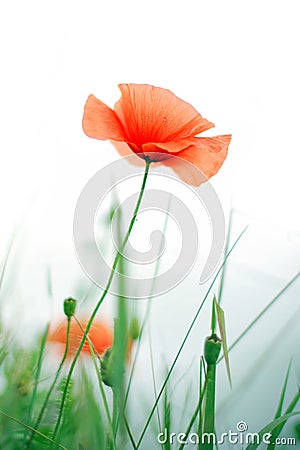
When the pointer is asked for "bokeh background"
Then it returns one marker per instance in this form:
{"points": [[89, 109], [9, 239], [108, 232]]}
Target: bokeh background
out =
{"points": [[237, 63]]}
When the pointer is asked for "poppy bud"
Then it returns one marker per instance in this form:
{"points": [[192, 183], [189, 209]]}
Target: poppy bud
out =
{"points": [[134, 329], [212, 348], [106, 364], [69, 307]]}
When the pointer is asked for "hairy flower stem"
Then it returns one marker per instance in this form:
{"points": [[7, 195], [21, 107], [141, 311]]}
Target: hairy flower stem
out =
{"points": [[110, 279]]}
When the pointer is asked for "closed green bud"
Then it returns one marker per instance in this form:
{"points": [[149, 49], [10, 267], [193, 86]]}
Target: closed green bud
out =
{"points": [[69, 307], [212, 348], [134, 329], [106, 364]]}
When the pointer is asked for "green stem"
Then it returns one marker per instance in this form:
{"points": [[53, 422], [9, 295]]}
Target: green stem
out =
{"points": [[120, 345], [102, 391], [201, 396], [197, 411], [209, 409], [110, 279], [40, 416]]}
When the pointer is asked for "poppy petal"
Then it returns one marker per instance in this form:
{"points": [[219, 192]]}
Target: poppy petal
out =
{"points": [[151, 114], [101, 122], [213, 144], [172, 146], [206, 159], [124, 150]]}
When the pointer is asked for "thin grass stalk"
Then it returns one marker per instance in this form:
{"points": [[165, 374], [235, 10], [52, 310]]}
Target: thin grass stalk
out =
{"points": [[28, 427], [120, 345], [37, 376], [146, 316], [197, 411], [276, 431], [153, 374], [185, 339], [223, 273], [100, 382], [262, 313], [129, 433], [40, 416], [167, 420]]}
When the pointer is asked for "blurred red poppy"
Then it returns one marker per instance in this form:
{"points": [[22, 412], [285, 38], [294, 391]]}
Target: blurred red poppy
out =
{"points": [[152, 122], [100, 335]]}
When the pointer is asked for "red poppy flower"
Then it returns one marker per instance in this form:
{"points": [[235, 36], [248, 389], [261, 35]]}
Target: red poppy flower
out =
{"points": [[99, 334], [152, 122]]}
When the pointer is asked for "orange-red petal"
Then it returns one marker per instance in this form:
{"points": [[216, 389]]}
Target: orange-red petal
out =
{"points": [[99, 334], [207, 157], [124, 150], [171, 146], [152, 114], [101, 122]]}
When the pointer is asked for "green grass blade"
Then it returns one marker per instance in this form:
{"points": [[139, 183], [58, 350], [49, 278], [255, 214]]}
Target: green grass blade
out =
{"points": [[120, 343], [186, 338], [28, 427], [167, 419], [129, 432], [262, 313], [5, 259], [260, 362], [283, 391], [222, 328], [44, 406], [278, 429], [153, 373], [37, 375], [148, 309], [4, 266], [223, 273], [49, 282], [271, 427], [197, 411], [213, 316]]}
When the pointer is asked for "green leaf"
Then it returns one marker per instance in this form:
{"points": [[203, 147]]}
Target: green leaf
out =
{"points": [[290, 408], [213, 316], [283, 391], [270, 427], [222, 327]]}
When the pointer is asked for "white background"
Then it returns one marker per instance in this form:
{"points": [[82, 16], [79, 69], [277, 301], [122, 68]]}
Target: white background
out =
{"points": [[236, 62]]}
